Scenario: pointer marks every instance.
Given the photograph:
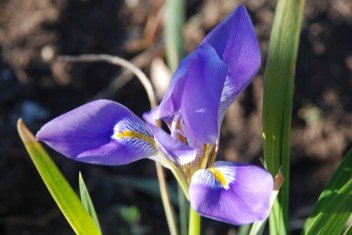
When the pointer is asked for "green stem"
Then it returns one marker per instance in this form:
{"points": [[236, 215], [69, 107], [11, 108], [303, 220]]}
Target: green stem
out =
{"points": [[194, 222], [181, 179], [183, 208]]}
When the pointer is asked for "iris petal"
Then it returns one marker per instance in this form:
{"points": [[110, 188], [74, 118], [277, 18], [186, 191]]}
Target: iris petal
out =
{"points": [[100, 132], [171, 101], [195, 94], [232, 193], [174, 149], [201, 95], [236, 43]]}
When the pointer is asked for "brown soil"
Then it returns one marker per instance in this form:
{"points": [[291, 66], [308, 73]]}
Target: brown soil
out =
{"points": [[37, 87]]}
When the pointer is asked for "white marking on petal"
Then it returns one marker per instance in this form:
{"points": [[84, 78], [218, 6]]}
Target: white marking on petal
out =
{"points": [[135, 134], [215, 177], [129, 124]]}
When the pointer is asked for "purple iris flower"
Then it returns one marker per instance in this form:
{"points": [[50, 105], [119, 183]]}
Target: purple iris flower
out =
{"points": [[205, 84]]}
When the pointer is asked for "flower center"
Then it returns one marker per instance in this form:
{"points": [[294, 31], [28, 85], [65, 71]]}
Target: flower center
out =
{"points": [[219, 176]]}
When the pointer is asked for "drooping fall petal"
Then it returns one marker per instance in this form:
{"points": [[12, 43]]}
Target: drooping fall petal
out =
{"points": [[100, 132], [233, 193]]}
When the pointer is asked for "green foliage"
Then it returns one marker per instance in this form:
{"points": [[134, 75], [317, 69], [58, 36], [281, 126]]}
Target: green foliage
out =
{"points": [[334, 205], [277, 102], [130, 214], [348, 230], [60, 190], [258, 227], [87, 201], [174, 21], [244, 229]]}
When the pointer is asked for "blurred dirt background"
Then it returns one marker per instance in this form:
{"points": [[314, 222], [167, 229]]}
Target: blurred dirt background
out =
{"points": [[36, 86]]}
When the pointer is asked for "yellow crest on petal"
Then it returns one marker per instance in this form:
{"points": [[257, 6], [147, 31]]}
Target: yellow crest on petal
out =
{"points": [[134, 135], [219, 176]]}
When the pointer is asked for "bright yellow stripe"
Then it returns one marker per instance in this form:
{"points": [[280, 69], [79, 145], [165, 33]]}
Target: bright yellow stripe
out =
{"points": [[219, 177], [135, 135]]}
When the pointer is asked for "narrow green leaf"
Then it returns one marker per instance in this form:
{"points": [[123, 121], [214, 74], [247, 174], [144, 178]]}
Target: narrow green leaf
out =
{"points": [[175, 15], [244, 229], [258, 227], [87, 201], [174, 21], [348, 230], [60, 190], [334, 205], [277, 101]]}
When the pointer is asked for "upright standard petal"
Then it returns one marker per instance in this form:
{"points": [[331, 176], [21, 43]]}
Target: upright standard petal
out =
{"points": [[201, 95], [233, 193], [236, 43], [171, 101], [100, 132], [195, 94]]}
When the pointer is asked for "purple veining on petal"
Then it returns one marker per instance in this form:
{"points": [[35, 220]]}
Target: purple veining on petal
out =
{"points": [[87, 134], [201, 95], [232, 193], [195, 95], [235, 41]]}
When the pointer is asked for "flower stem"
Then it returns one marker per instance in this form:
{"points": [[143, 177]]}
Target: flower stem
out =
{"points": [[181, 179], [183, 208], [194, 222]]}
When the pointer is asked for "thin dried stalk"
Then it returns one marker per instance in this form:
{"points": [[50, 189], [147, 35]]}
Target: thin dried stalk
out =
{"points": [[169, 211]]}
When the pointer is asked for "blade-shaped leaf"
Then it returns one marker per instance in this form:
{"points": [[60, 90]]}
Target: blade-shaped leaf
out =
{"points": [[258, 227], [173, 26], [348, 230], [334, 205], [244, 229], [174, 21], [277, 101], [87, 201], [60, 190]]}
